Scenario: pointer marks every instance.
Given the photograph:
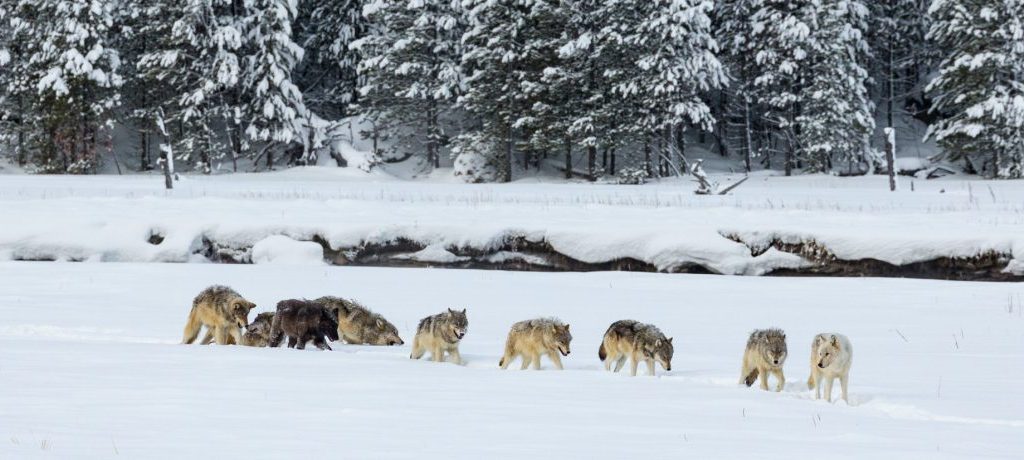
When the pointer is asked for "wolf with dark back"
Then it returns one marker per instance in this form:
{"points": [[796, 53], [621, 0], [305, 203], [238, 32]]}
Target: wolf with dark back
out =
{"points": [[638, 342], [535, 337], [440, 334], [357, 325], [765, 354], [257, 333], [303, 321], [223, 311]]}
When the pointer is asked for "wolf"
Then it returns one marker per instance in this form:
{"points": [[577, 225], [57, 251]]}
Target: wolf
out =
{"points": [[358, 325], [224, 313], [535, 337], [257, 333], [302, 321], [831, 356], [637, 341], [440, 334], [765, 354]]}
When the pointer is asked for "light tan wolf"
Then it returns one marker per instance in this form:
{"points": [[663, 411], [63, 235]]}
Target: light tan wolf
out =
{"points": [[224, 313], [765, 354], [357, 325], [440, 334], [535, 337], [257, 333], [637, 341], [831, 357]]}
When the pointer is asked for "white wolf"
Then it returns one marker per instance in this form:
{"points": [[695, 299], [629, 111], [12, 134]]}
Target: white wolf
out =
{"points": [[831, 356]]}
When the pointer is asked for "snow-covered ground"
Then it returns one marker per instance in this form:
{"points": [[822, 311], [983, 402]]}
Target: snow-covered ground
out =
{"points": [[110, 218], [90, 367]]}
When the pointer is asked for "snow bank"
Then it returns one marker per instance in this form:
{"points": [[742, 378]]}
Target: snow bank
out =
{"points": [[278, 249], [603, 227]]}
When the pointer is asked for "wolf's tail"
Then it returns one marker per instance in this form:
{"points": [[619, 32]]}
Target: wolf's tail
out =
{"points": [[509, 352], [192, 327], [810, 382], [601, 352], [751, 378]]}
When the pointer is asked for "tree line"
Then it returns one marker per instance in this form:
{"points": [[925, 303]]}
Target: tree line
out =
{"points": [[591, 87]]}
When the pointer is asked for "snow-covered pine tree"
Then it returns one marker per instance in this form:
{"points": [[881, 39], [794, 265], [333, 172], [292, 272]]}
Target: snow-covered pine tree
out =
{"points": [[780, 45], [980, 87], [411, 69], [328, 75], [65, 83], [272, 101], [741, 112], [836, 113], [901, 57], [503, 69], [197, 59], [669, 61]]}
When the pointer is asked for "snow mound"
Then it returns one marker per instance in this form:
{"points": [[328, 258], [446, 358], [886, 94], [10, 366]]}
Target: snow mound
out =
{"points": [[433, 253], [281, 250]]}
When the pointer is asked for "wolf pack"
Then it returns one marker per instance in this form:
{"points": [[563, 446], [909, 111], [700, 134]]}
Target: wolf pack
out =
{"points": [[224, 313]]}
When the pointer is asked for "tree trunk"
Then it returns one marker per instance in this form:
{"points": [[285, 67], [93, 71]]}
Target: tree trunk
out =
{"points": [[890, 156], [747, 135], [568, 158], [611, 161], [647, 157], [592, 162]]}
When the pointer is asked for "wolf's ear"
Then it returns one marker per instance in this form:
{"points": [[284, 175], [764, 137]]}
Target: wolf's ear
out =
{"points": [[252, 305], [451, 311], [380, 323], [670, 339], [657, 343], [463, 311], [567, 327], [835, 341]]}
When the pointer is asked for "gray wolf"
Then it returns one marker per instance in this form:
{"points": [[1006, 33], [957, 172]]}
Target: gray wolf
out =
{"points": [[224, 313], [831, 357], [302, 321], [637, 341], [358, 325], [440, 334], [535, 337], [765, 354], [257, 333]]}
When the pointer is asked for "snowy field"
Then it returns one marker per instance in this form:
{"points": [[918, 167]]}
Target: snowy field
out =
{"points": [[90, 367], [110, 218]]}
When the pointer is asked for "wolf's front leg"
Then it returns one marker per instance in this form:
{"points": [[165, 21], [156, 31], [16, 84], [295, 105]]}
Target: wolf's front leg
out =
{"points": [[764, 379], [828, 387], [455, 356], [437, 354], [843, 380], [536, 361], [526, 361], [817, 384], [633, 363], [236, 335], [220, 334], [782, 380], [650, 367], [555, 359]]}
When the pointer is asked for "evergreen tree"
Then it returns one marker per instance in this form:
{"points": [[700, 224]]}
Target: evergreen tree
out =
{"points": [[328, 75], [412, 68], [836, 114], [61, 82], [980, 86], [272, 100], [198, 59]]}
